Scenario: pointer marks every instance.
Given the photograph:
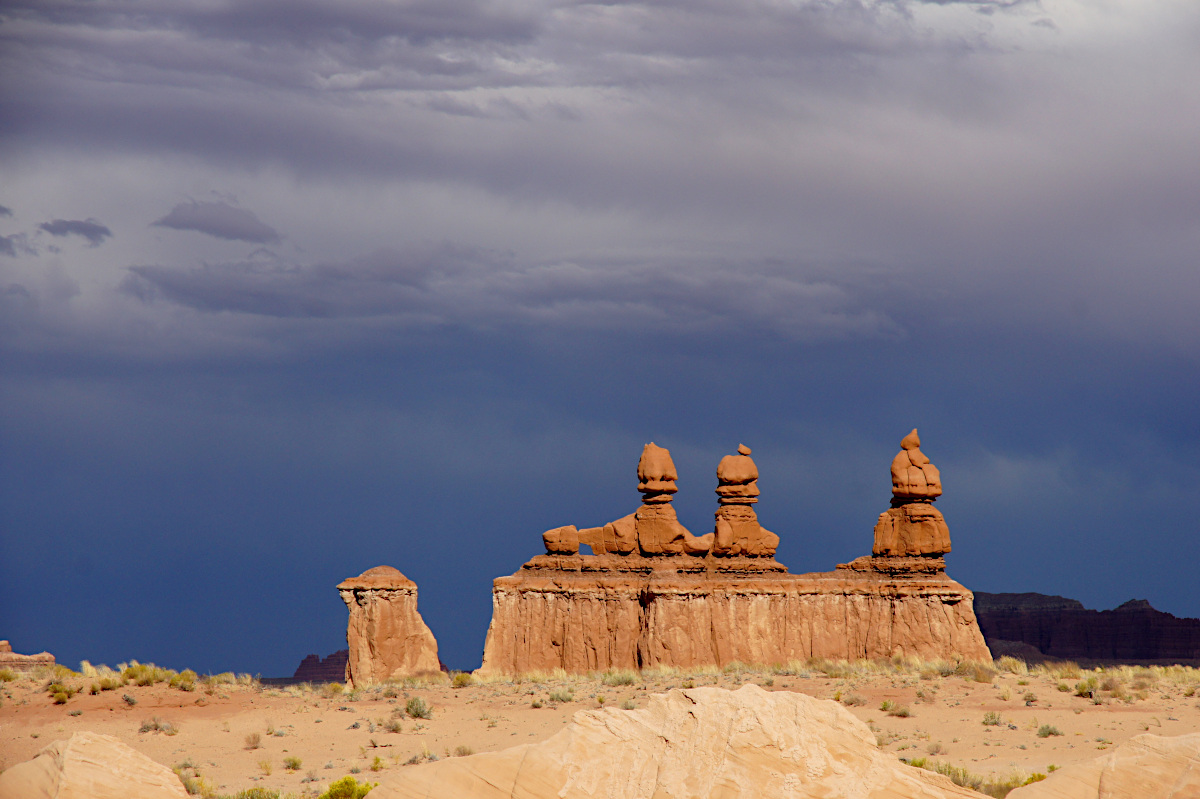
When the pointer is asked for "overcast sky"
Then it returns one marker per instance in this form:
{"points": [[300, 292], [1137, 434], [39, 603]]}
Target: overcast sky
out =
{"points": [[291, 290]]}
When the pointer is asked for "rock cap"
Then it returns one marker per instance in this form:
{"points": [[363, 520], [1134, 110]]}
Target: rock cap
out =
{"points": [[378, 577]]}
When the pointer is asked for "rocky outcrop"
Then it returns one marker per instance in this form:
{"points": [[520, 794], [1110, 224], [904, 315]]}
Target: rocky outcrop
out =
{"points": [[386, 636], [1063, 628], [11, 660], [702, 742], [90, 766], [735, 603], [1144, 767], [912, 526], [314, 668]]}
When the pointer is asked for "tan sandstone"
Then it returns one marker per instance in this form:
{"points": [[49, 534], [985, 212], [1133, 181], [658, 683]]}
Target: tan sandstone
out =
{"points": [[1145, 767], [912, 526], [17, 662], [696, 743], [386, 636], [626, 609], [90, 766]]}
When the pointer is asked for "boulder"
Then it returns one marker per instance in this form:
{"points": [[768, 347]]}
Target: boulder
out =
{"points": [[688, 744], [90, 766], [386, 636], [1144, 767]]}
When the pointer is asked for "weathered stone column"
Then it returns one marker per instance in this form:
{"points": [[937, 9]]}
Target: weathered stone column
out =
{"points": [[386, 636]]}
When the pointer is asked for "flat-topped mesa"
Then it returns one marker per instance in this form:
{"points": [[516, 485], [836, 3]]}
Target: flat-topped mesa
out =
{"points": [[737, 529], [386, 636], [653, 529]]}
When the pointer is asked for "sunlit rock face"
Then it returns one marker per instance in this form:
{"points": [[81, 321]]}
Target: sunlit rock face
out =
{"points": [[386, 636], [650, 595]]}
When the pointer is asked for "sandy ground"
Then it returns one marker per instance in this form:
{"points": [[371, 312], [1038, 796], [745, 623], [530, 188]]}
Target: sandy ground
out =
{"points": [[334, 734]]}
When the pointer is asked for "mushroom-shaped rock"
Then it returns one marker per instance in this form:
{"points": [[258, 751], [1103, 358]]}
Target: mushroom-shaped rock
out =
{"points": [[656, 474], [737, 529], [913, 475], [386, 636]]}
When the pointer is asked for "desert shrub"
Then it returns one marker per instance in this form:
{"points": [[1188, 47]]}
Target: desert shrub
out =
{"points": [[417, 709], [535, 704], [184, 680], [997, 787], [1013, 665], [886, 705], [347, 788], [1047, 730], [377, 764], [1086, 688], [562, 695], [254, 740], [393, 725], [900, 712], [145, 674], [972, 670], [619, 678], [292, 763], [933, 669], [158, 725], [629, 704], [7, 675], [462, 679], [1059, 670], [129, 700], [853, 700], [463, 751], [257, 793], [992, 719]]}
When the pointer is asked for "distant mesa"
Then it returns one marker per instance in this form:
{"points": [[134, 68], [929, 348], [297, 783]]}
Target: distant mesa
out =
{"points": [[314, 668], [11, 660], [1038, 626]]}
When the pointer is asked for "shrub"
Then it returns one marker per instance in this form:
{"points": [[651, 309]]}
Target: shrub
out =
{"points": [[1012, 665], [535, 704], [886, 705], [462, 679], [129, 700], [900, 712], [979, 672], [257, 793], [253, 740], [992, 719], [1086, 688], [853, 700], [393, 725], [563, 695], [292, 763], [619, 678], [628, 704], [158, 725], [377, 764], [417, 709], [347, 788], [1046, 730], [7, 675], [463, 751]]}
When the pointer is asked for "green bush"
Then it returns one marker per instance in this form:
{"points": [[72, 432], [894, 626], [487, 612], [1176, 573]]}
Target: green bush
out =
{"points": [[1046, 730], [563, 695], [619, 678], [292, 763], [347, 788], [992, 719], [462, 679]]}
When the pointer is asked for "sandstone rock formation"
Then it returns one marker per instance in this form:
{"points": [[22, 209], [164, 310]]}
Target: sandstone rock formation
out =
{"points": [[386, 636], [738, 531], [314, 668], [11, 660], [693, 744], [912, 526], [653, 529], [1144, 767], [1056, 627], [90, 766], [631, 610]]}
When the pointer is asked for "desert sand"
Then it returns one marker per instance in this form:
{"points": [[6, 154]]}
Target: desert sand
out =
{"points": [[239, 735]]}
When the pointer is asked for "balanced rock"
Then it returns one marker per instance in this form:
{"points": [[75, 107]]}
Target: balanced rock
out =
{"points": [[653, 529], [90, 766], [912, 527], [697, 743], [386, 636], [737, 530], [1144, 767]]}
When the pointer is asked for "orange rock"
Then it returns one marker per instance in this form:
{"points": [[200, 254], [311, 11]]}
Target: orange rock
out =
{"points": [[913, 476], [90, 766], [916, 528], [386, 636], [737, 529], [18, 662], [1144, 767], [700, 742]]}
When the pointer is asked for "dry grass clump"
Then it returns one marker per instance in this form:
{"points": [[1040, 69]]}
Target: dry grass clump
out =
{"points": [[1058, 670], [1013, 666], [978, 672], [7, 675], [994, 786], [619, 677], [158, 725]]}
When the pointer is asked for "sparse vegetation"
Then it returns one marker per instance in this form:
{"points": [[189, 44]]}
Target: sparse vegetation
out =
{"points": [[463, 751], [992, 719], [562, 695], [292, 763], [998, 787], [616, 678], [417, 709], [158, 725], [853, 700], [254, 740], [347, 788], [462, 679], [1047, 730], [629, 704]]}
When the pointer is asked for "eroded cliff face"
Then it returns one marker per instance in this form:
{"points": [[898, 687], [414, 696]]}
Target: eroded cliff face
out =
{"points": [[386, 636], [584, 614]]}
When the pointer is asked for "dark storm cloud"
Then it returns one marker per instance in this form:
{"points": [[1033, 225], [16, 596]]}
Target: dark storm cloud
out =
{"points": [[8, 246], [221, 220], [90, 229], [484, 290], [5, 211]]}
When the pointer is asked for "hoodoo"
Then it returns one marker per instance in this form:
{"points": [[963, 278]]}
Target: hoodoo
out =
{"points": [[651, 593]]}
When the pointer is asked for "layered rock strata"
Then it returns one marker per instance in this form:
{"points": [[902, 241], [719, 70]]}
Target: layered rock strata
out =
{"points": [[701, 742], [17, 662], [386, 636], [912, 526], [616, 610]]}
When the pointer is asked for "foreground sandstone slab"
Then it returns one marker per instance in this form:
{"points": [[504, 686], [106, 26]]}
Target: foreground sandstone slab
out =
{"points": [[702, 742], [1145, 767], [386, 636], [90, 766]]}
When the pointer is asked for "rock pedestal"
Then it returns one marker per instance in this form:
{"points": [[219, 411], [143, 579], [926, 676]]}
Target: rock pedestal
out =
{"points": [[386, 636], [734, 602]]}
